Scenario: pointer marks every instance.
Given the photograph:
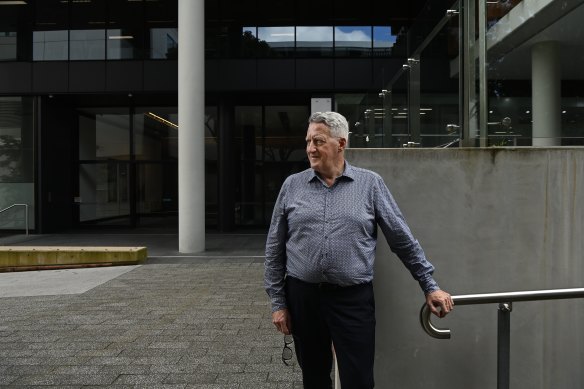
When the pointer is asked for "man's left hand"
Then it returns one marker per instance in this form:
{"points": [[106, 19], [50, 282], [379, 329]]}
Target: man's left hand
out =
{"points": [[439, 299]]}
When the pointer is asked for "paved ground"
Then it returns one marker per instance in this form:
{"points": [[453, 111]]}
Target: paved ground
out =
{"points": [[175, 322]]}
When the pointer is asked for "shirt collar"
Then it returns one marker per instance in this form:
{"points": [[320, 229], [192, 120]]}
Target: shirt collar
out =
{"points": [[349, 173]]}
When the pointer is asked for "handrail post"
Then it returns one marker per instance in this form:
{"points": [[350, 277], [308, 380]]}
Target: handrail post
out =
{"points": [[503, 345]]}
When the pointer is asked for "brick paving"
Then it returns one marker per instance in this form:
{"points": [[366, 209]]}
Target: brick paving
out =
{"points": [[182, 323]]}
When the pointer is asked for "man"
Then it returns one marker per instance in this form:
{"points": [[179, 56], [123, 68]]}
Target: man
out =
{"points": [[319, 258]]}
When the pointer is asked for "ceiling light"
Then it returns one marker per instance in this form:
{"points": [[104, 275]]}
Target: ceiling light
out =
{"points": [[121, 37], [21, 2]]}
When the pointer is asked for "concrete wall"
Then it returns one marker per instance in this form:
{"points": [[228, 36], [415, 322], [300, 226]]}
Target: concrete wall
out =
{"points": [[490, 220]]}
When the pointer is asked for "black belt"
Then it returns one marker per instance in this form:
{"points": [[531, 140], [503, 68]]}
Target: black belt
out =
{"points": [[324, 285]]}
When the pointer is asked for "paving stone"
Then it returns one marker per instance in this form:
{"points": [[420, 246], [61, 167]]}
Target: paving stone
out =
{"points": [[141, 379], [200, 324], [199, 378]]}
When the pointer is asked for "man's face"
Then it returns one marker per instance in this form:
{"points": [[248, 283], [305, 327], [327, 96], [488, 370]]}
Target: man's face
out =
{"points": [[323, 151]]}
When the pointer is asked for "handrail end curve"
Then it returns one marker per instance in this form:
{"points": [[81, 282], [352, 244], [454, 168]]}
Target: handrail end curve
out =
{"points": [[426, 321]]}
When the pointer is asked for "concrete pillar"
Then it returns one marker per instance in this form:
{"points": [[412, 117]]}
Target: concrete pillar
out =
{"points": [[546, 94], [191, 119]]}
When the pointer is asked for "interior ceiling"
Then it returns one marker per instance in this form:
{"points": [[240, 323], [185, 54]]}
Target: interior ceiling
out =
{"points": [[568, 31]]}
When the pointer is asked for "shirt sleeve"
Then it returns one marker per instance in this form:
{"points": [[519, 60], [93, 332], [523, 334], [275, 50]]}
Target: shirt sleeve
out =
{"points": [[275, 260], [400, 238]]}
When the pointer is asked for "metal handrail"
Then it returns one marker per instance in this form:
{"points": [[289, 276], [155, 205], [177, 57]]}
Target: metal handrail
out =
{"points": [[505, 301], [490, 298], [25, 213]]}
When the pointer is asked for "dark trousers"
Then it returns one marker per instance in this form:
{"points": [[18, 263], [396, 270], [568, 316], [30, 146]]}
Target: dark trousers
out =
{"points": [[345, 316]]}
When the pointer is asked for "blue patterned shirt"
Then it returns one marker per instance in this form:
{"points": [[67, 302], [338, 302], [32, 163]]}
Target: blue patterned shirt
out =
{"points": [[328, 234]]}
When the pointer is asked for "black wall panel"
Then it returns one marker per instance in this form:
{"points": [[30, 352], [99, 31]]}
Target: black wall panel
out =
{"points": [[353, 74], [124, 76], [237, 74], [87, 76], [314, 74], [161, 76], [15, 78], [50, 77], [276, 74]]}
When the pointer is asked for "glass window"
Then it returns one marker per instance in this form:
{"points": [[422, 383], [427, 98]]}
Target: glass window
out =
{"points": [[87, 35], [50, 45], [104, 193], [50, 39], [251, 45], [121, 44], [8, 46], [247, 147], [162, 36], [157, 186], [280, 40], [124, 35], [164, 43], [353, 41], [16, 160], [156, 133], [16, 140], [314, 41], [383, 40], [87, 44], [14, 32], [104, 134]]}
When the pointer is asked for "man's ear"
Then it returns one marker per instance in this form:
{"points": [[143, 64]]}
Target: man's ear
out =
{"points": [[342, 144]]}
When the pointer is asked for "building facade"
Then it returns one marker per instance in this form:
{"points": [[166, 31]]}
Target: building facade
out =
{"points": [[89, 97]]}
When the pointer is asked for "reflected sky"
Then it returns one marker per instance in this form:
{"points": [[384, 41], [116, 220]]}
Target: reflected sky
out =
{"points": [[380, 35]]}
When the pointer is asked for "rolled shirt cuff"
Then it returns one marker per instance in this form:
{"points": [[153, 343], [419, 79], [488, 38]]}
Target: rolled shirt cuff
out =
{"points": [[278, 303], [428, 285]]}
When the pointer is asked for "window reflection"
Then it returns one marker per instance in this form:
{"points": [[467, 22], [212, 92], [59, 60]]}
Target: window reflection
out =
{"points": [[50, 45], [125, 29], [156, 134], [164, 43], [7, 45], [17, 160], [104, 134], [14, 35], [353, 41], [383, 40], [279, 39], [314, 41], [16, 140], [120, 44], [87, 44]]}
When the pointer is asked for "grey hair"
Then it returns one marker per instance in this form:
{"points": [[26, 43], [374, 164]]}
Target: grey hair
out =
{"points": [[336, 122]]}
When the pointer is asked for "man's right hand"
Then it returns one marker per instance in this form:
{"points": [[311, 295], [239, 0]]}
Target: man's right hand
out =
{"points": [[281, 320]]}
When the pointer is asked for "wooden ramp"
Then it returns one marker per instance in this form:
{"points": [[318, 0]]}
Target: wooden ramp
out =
{"points": [[15, 258]]}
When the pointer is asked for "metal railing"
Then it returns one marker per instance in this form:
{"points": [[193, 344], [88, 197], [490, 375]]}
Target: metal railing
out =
{"points": [[25, 213], [505, 301]]}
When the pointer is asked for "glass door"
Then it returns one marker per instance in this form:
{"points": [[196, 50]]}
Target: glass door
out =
{"points": [[104, 180]]}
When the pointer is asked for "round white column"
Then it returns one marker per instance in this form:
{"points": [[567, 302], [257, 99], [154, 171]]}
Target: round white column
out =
{"points": [[191, 119], [546, 94]]}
